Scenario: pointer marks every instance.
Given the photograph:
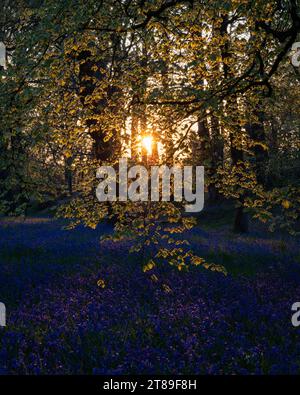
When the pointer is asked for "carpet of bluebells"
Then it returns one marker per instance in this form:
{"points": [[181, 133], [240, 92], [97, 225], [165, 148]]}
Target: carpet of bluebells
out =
{"points": [[60, 322]]}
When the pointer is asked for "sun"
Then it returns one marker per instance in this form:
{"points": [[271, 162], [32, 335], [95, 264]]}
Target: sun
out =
{"points": [[147, 143]]}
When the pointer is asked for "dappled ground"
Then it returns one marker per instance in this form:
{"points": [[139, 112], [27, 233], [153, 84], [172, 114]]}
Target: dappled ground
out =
{"points": [[60, 322]]}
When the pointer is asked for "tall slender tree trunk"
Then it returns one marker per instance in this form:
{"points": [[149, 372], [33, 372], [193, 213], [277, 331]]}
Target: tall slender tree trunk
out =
{"points": [[134, 138], [257, 134], [69, 175], [241, 218], [241, 221], [217, 148]]}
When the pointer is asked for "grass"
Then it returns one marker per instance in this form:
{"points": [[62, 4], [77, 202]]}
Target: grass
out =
{"points": [[50, 275]]}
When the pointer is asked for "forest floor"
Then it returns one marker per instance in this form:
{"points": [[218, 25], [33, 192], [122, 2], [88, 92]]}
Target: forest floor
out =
{"points": [[60, 322]]}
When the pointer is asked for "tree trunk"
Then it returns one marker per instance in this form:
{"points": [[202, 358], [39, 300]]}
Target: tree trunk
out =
{"points": [[257, 134], [217, 148], [69, 175], [241, 223], [90, 69]]}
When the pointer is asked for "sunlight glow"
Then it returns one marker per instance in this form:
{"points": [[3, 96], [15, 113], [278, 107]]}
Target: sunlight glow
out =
{"points": [[147, 143]]}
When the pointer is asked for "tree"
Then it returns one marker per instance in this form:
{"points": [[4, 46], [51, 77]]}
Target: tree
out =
{"points": [[87, 79]]}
